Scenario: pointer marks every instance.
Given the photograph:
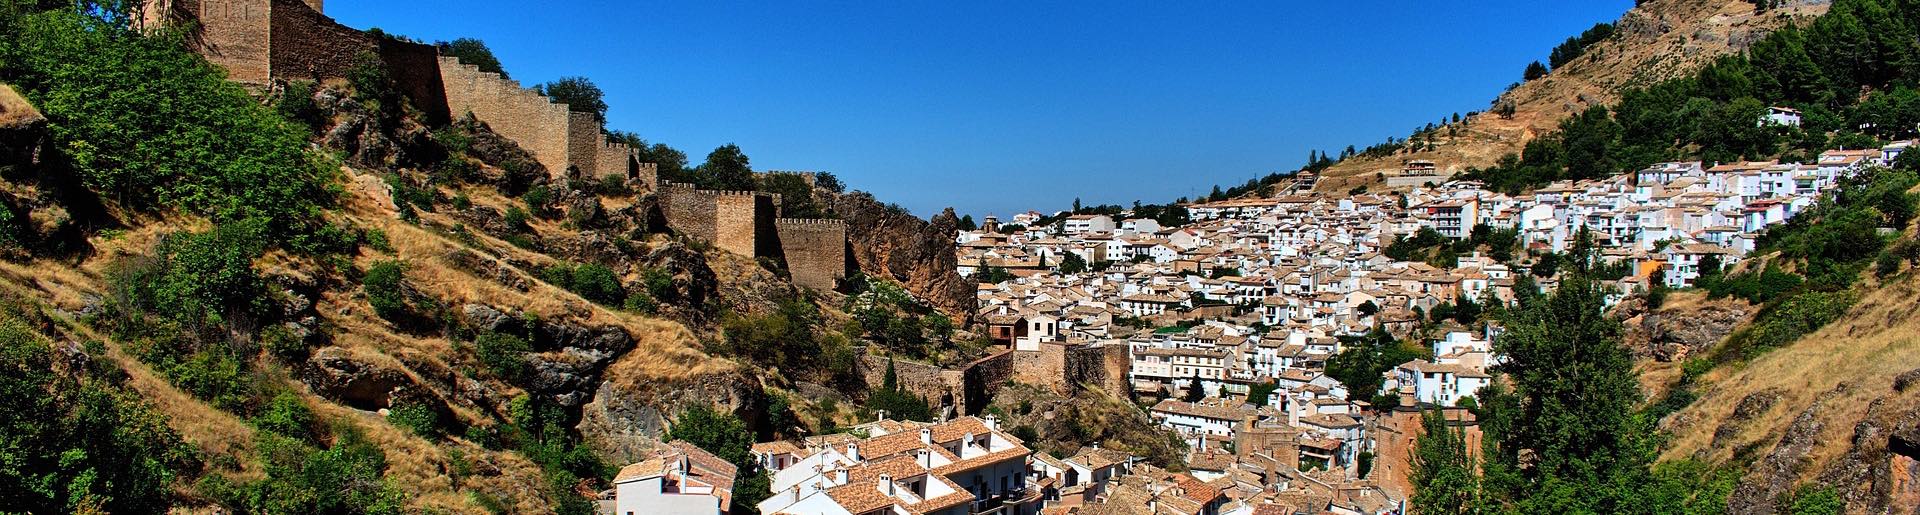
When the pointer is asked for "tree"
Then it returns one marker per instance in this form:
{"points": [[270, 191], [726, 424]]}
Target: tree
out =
{"points": [[670, 164], [67, 443], [472, 51], [1568, 437], [1195, 393], [726, 168], [1364, 358], [728, 438], [1534, 70], [1072, 264], [1445, 477], [796, 197], [966, 223], [579, 94], [1259, 393]]}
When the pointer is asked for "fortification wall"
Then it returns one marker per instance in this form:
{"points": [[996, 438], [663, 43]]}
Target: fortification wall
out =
{"points": [[647, 173], [415, 69], [983, 378], [308, 45], [941, 388], [234, 34], [584, 141], [689, 211], [1098, 366], [815, 251], [537, 124], [1045, 368], [736, 221]]}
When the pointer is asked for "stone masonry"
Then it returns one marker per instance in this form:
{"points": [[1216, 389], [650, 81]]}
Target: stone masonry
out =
{"points": [[815, 250], [259, 41], [748, 223], [569, 144]]}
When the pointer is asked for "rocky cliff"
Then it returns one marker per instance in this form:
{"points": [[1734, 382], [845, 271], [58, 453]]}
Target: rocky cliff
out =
{"points": [[889, 242]]}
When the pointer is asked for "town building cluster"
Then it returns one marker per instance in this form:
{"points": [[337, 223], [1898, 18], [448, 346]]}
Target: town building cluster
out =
{"points": [[1227, 324]]}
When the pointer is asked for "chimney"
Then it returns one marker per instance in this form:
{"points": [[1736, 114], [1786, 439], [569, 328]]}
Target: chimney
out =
{"points": [[886, 484], [993, 422], [840, 476], [923, 457], [853, 451], [926, 435]]}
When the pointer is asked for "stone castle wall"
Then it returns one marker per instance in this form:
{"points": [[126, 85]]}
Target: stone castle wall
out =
{"points": [[569, 144], [537, 124], [741, 221], [1098, 366], [258, 41], [941, 388], [1065, 368], [688, 212], [815, 251], [983, 378], [233, 34], [1043, 368]]}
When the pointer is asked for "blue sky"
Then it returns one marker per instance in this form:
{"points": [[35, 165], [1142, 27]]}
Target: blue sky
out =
{"points": [[994, 107]]}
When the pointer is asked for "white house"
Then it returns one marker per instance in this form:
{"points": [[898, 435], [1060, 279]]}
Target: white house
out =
{"points": [[679, 480]]}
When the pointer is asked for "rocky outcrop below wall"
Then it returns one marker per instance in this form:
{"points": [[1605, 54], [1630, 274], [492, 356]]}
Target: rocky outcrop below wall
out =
{"points": [[889, 242]]}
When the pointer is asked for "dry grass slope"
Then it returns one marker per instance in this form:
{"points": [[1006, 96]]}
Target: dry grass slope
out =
{"points": [[1836, 374], [1657, 40]]}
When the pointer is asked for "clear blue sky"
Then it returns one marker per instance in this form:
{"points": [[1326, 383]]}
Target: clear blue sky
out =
{"points": [[994, 107]]}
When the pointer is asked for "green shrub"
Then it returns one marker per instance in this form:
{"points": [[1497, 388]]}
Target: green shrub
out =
{"points": [[538, 199], [296, 103], [417, 418], [173, 133], [376, 239], [591, 281], [503, 354], [346, 478], [384, 283], [287, 415], [69, 442], [1794, 317], [215, 376], [516, 220], [198, 278]]}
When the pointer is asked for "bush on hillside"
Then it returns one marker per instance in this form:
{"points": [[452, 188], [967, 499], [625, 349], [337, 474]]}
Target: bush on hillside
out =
{"points": [[173, 133], [73, 444]]}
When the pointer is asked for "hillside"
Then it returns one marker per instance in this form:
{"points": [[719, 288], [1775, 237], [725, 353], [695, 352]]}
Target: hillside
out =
{"points": [[306, 296], [1656, 40], [1836, 407]]}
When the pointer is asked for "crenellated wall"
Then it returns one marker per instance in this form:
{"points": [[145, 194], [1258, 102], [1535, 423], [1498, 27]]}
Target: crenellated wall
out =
{"points": [[743, 222], [258, 41], [537, 124], [687, 210], [815, 251]]}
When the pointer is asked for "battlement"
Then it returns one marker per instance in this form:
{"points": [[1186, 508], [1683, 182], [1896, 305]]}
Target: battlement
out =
{"points": [[815, 250], [813, 221]]}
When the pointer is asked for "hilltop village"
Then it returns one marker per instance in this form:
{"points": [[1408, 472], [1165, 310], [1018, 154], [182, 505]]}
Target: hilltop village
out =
{"points": [[1223, 328]]}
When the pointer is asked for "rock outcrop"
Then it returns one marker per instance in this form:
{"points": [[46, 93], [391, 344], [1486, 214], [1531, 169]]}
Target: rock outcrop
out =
{"points": [[889, 242], [1686, 325]]}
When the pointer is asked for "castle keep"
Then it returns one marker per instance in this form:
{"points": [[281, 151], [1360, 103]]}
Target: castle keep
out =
{"points": [[260, 41]]}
